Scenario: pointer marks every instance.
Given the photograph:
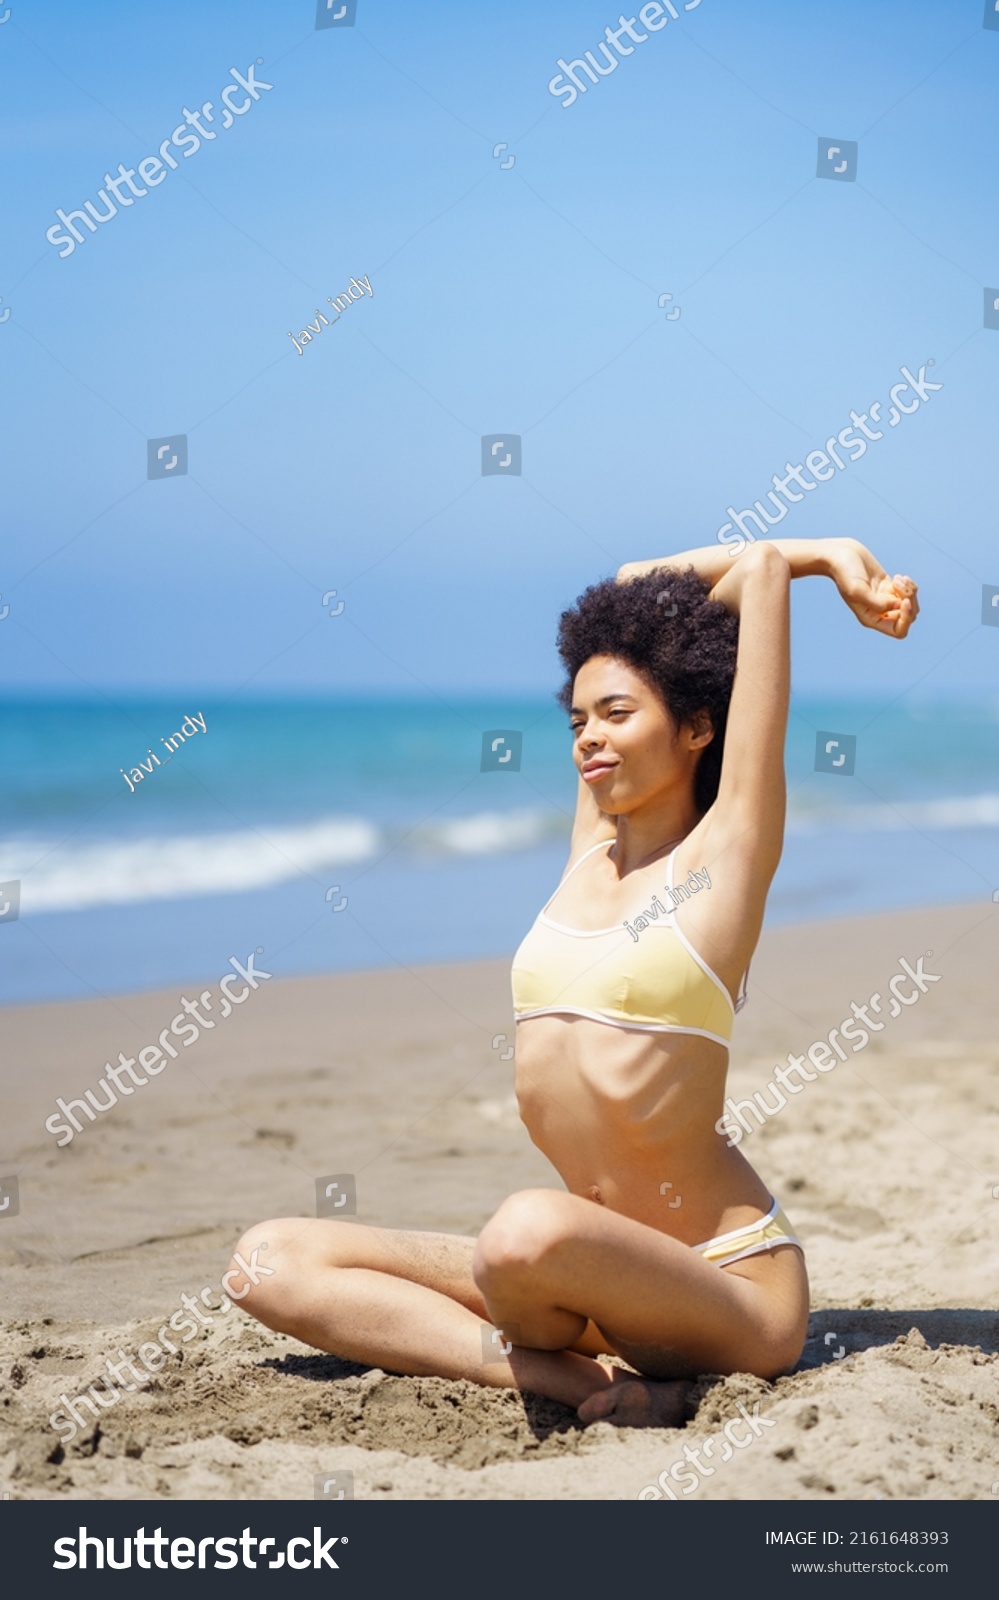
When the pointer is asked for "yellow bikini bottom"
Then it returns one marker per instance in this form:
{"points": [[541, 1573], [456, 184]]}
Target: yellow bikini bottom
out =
{"points": [[772, 1230]]}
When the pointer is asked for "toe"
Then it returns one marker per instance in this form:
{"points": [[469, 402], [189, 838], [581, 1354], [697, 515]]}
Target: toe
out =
{"points": [[598, 1406]]}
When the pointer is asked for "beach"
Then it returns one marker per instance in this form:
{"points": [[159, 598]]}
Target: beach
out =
{"points": [[885, 1162]]}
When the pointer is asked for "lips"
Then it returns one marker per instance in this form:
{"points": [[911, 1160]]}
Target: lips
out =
{"points": [[593, 771]]}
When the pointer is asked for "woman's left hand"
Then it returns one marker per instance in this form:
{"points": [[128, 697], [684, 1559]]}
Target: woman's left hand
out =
{"points": [[876, 600]]}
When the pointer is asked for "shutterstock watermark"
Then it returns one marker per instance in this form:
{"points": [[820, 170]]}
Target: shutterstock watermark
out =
{"points": [[655, 17], [824, 463], [68, 1421], [153, 1058], [823, 1053], [683, 1472], [82, 1548], [188, 136]]}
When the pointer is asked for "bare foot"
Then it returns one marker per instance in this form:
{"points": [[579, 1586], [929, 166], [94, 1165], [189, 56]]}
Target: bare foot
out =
{"points": [[633, 1402]]}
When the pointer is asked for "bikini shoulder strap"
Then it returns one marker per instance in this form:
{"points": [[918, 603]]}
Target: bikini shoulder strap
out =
{"points": [[601, 845], [671, 909]]}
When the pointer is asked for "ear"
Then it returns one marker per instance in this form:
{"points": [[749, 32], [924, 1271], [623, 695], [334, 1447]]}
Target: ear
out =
{"points": [[702, 730]]}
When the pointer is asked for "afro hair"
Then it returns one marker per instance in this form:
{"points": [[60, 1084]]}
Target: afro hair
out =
{"points": [[683, 645]]}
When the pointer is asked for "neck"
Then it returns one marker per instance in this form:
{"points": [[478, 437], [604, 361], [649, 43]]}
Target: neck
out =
{"points": [[652, 831]]}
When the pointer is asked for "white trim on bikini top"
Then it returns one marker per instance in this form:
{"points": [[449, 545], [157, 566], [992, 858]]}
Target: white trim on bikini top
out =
{"points": [[593, 933]]}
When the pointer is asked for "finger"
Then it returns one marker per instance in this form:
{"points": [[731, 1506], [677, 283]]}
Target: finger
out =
{"points": [[896, 622], [909, 599]]}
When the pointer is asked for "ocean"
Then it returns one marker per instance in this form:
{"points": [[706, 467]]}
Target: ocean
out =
{"points": [[350, 834]]}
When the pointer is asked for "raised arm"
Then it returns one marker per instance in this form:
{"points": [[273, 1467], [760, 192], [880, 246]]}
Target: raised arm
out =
{"points": [[743, 831], [752, 770], [806, 558], [876, 600], [751, 792]]}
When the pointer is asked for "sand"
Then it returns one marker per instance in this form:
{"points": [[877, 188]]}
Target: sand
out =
{"points": [[887, 1166]]}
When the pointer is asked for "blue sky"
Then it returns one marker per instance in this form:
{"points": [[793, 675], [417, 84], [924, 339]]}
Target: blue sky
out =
{"points": [[521, 299]]}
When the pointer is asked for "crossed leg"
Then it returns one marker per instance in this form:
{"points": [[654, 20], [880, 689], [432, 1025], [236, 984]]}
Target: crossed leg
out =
{"points": [[571, 1278]]}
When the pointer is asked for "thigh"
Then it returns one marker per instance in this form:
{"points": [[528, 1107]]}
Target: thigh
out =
{"points": [[767, 1330], [315, 1245], [653, 1300]]}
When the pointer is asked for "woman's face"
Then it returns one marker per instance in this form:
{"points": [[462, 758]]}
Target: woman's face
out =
{"points": [[626, 745]]}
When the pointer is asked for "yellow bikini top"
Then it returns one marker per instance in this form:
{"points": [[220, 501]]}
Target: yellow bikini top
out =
{"points": [[644, 974]]}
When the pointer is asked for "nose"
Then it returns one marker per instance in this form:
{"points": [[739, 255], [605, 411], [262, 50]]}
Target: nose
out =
{"points": [[590, 737]]}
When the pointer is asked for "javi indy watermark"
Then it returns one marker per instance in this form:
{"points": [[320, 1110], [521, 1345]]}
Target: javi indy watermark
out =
{"points": [[306, 335], [676, 896], [152, 1058], [176, 739], [856, 1029]]}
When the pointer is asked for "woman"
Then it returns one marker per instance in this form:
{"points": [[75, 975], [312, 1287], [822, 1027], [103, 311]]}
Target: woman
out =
{"points": [[667, 1249]]}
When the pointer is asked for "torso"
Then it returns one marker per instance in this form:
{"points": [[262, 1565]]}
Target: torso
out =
{"points": [[627, 1115]]}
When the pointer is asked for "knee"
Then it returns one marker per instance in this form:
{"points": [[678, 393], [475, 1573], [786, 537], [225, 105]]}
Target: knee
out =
{"points": [[255, 1271], [785, 1353], [519, 1238], [781, 1347], [276, 1265]]}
